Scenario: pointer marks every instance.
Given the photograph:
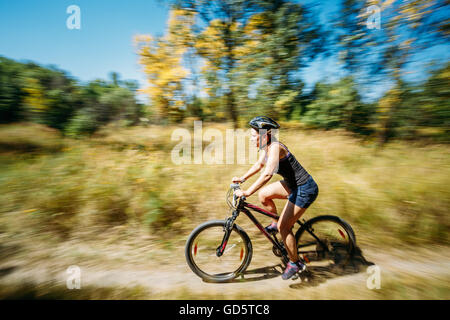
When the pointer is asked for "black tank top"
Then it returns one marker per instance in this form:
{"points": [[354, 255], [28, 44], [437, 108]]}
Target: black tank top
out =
{"points": [[291, 170]]}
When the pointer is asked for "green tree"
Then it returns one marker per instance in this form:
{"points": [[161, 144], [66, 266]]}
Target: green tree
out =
{"points": [[338, 105], [218, 39], [407, 27], [12, 91], [280, 40], [47, 95]]}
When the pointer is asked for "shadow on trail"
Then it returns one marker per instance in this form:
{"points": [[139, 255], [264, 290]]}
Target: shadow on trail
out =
{"points": [[263, 273], [7, 270], [6, 252], [320, 274], [315, 274]]}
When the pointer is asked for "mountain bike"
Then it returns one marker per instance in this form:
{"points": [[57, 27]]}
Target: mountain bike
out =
{"points": [[220, 250]]}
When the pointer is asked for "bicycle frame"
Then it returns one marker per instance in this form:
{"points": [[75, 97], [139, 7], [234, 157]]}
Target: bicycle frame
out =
{"points": [[244, 207]]}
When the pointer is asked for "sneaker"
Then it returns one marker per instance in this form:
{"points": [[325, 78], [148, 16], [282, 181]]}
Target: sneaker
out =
{"points": [[272, 228], [292, 269]]}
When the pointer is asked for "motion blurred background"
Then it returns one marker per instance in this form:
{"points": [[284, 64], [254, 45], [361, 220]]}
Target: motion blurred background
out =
{"points": [[360, 88]]}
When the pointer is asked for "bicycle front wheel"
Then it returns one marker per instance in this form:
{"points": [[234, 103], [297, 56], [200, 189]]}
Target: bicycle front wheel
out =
{"points": [[201, 254], [326, 241]]}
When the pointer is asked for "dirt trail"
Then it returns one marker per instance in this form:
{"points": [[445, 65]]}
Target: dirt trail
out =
{"points": [[262, 279]]}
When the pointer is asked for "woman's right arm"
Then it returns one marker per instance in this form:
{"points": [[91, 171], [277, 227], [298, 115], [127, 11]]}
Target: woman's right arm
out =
{"points": [[253, 170]]}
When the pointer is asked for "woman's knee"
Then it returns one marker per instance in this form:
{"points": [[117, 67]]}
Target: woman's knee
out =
{"points": [[263, 196]]}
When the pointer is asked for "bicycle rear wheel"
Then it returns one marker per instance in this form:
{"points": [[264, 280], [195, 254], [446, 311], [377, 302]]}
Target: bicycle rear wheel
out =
{"points": [[201, 254], [325, 241]]}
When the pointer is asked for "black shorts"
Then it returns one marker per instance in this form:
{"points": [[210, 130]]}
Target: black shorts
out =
{"points": [[305, 194]]}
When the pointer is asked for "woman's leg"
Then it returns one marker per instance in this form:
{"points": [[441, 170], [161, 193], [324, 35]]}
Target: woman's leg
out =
{"points": [[276, 190], [291, 213]]}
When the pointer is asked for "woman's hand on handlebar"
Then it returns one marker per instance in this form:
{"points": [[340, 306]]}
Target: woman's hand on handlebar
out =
{"points": [[238, 180], [240, 193]]}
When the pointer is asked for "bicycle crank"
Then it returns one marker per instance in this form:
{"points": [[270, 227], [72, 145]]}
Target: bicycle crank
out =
{"points": [[276, 251]]}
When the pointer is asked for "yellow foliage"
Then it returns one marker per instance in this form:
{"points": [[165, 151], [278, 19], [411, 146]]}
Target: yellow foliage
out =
{"points": [[256, 22], [284, 101], [334, 92], [386, 4], [180, 28], [35, 95], [210, 43], [388, 102], [162, 60]]}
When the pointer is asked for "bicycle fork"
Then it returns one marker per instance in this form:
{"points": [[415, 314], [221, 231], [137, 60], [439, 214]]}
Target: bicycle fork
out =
{"points": [[227, 228]]}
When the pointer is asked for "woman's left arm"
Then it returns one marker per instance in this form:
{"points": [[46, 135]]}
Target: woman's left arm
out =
{"points": [[273, 159]]}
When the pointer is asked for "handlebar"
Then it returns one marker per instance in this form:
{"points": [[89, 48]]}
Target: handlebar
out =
{"points": [[234, 187]]}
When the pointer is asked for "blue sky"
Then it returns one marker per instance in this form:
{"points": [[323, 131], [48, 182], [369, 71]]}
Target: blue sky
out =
{"points": [[37, 31]]}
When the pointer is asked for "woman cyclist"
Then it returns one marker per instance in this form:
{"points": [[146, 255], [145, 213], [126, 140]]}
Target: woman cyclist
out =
{"points": [[298, 186]]}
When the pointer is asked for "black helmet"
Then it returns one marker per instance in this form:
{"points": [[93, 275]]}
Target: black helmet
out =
{"points": [[263, 122]]}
